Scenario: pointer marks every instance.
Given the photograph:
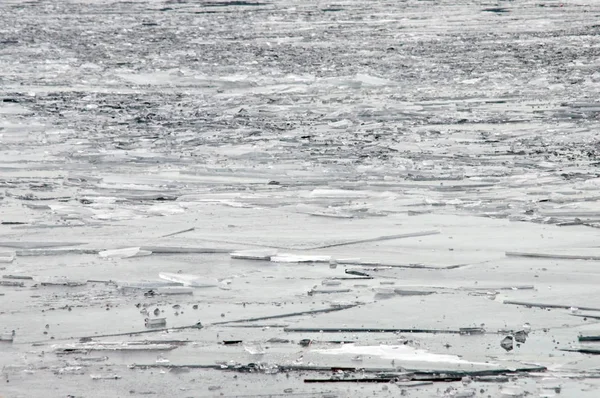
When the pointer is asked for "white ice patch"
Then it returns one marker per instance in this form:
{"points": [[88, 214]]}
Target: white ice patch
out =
{"points": [[397, 352], [127, 252], [188, 279]]}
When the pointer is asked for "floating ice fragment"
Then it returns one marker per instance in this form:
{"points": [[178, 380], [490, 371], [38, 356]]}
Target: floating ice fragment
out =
{"points": [[145, 285], [471, 331], [507, 343], [520, 336], [294, 258], [384, 293], [225, 284], [156, 322], [78, 348], [373, 81], [189, 279], [465, 393], [124, 253], [341, 124], [165, 209], [254, 349], [257, 254], [7, 257], [7, 337], [171, 290], [397, 352], [404, 292], [104, 377], [512, 391], [59, 281]]}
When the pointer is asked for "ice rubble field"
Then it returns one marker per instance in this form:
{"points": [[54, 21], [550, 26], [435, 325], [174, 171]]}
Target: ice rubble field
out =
{"points": [[304, 199]]}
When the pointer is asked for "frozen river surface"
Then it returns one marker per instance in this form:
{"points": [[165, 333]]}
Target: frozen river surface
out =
{"points": [[299, 198]]}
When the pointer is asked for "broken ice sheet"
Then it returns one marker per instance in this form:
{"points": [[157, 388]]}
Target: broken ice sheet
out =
{"points": [[144, 285], [321, 211], [189, 280], [124, 253], [38, 245], [75, 348], [512, 392], [507, 343], [121, 214], [300, 258], [254, 349], [384, 293], [173, 290], [59, 281], [7, 337], [413, 292], [105, 377], [398, 353], [7, 257], [12, 283], [155, 322], [165, 209], [254, 254]]}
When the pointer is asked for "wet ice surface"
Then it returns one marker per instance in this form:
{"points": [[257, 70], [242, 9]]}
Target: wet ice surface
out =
{"points": [[238, 198]]}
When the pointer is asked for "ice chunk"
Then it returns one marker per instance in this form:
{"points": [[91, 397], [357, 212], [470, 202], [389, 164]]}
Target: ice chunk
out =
{"points": [[383, 293], [404, 292], [520, 336], [254, 349], [174, 290], [104, 377], [60, 281], [156, 322], [225, 284], [471, 331], [181, 250], [12, 283], [373, 81], [338, 193], [189, 279], [327, 291], [294, 258], [397, 352], [256, 254], [507, 343], [78, 348], [165, 209], [321, 211], [7, 337], [146, 285], [465, 393], [341, 124], [124, 253], [512, 391], [7, 257], [25, 277]]}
